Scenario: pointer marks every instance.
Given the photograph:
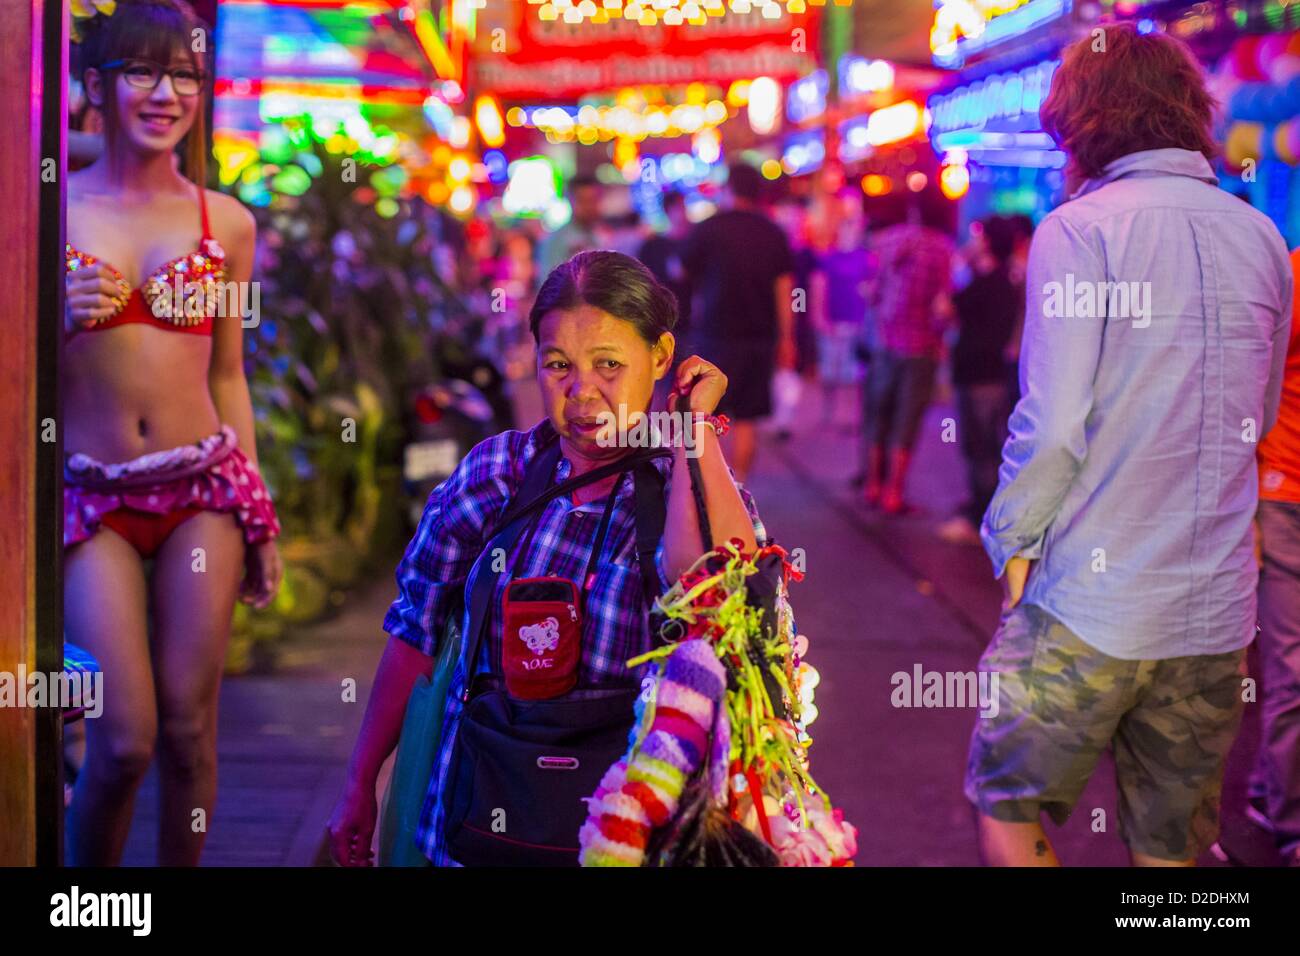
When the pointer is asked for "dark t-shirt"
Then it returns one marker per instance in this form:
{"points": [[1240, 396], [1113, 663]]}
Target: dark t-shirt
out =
{"points": [[662, 255], [986, 316], [733, 260]]}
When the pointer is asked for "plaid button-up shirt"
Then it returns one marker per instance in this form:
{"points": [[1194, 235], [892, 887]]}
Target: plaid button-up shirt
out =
{"points": [[915, 268], [460, 514]]}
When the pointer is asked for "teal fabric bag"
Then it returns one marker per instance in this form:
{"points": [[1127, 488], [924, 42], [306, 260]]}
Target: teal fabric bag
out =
{"points": [[416, 749]]}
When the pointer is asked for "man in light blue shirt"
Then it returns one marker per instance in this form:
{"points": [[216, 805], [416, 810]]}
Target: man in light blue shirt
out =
{"points": [[1157, 320]]}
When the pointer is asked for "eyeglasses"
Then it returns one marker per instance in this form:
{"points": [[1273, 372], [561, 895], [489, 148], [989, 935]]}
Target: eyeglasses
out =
{"points": [[146, 75]]}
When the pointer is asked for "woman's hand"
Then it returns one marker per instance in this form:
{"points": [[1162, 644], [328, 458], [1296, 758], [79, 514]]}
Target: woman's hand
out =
{"points": [[92, 294], [352, 826], [262, 573], [701, 384]]}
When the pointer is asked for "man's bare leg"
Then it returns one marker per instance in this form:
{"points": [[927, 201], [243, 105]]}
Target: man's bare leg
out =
{"points": [[1015, 844]]}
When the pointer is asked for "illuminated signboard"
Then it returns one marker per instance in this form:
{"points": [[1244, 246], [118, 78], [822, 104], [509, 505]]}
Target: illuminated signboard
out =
{"points": [[859, 76], [806, 98], [518, 57], [860, 136], [963, 28], [996, 121], [1014, 97], [803, 152]]}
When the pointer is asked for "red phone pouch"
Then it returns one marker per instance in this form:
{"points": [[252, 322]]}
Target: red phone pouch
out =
{"points": [[541, 639]]}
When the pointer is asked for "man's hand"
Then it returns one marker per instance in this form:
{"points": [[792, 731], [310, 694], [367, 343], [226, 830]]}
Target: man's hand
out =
{"points": [[1013, 581]]}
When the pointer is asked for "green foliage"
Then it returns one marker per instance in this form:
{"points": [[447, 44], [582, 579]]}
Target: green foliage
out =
{"points": [[352, 306]]}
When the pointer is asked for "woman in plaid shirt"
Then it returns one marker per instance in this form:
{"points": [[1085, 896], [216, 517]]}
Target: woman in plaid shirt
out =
{"points": [[603, 327]]}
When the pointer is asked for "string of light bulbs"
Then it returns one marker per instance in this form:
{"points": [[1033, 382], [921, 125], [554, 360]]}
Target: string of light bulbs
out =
{"points": [[667, 12]]}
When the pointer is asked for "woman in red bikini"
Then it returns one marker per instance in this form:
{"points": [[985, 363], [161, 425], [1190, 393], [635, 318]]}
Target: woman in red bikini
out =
{"points": [[156, 408]]}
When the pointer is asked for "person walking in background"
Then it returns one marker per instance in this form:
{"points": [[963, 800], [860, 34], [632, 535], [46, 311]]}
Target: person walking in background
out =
{"points": [[583, 230], [1023, 228], [987, 311], [1122, 524], [742, 274], [915, 266], [662, 255], [796, 220], [1275, 784], [839, 302]]}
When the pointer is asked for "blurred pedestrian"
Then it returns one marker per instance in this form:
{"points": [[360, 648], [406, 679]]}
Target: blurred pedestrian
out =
{"points": [[1275, 784], [662, 255], [1023, 227], [797, 222], [987, 310], [741, 271], [1156, 330], [843, 272], [915, 266], [582, 232]]}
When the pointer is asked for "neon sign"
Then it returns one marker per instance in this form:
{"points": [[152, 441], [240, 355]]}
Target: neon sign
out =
{"points": [[1012, 98], [806, 98], [861, 135], [996, 120]]}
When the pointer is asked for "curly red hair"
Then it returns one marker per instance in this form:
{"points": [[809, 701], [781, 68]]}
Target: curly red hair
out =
{"points": [[1121, 92]]}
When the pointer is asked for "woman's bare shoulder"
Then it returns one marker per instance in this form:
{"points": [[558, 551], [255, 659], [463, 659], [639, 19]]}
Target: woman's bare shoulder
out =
{"points": [[232, 222]]}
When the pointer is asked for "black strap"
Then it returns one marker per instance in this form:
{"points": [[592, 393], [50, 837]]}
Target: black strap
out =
{"points": [[535, 494], [568, 486], [697, 486], [536, 477], [602, 531], [651, 514], [697, 492], [598, 548]]}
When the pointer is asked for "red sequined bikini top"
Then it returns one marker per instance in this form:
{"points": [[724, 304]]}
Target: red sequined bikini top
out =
{"points": [[179, 296]]}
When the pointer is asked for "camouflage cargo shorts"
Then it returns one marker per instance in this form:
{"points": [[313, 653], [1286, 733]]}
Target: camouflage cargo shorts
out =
{"points": [[1170, 724]]}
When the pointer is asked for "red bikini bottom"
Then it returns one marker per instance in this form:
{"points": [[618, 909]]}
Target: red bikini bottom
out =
{"points": [[146, 498], [144, 531]]}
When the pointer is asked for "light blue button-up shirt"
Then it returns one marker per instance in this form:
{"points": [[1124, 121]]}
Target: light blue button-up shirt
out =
{"points": [[1156, 325]]}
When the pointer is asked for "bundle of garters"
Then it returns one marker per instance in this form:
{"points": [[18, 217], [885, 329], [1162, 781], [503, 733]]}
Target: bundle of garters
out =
{"points": [[716, 772]]}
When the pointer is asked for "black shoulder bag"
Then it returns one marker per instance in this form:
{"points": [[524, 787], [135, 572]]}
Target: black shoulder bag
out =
{"points": [[521, 768]]}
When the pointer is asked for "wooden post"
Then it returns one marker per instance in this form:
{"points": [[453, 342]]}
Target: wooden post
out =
{"points": [[33, 47]]}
